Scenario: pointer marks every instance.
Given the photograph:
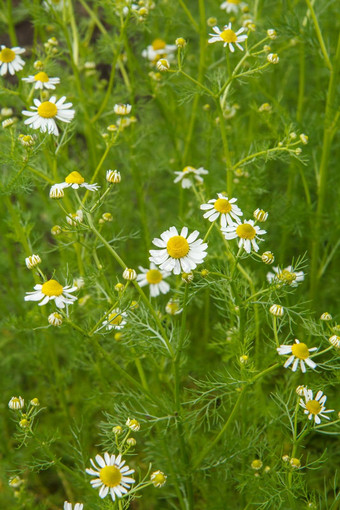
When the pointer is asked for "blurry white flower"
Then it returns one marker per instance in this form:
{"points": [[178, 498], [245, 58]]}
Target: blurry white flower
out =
{"points": [[16, 403], [232, 6], [113, 176], [190, 171], [74, 218], [158, 478], [55, 319], [133, 424], [115, 320], [155, 279], [42, 81], [32, 261], [77, 506], [10, 61], [122, 109], [286, 276], [159, 49], [129, 274]]}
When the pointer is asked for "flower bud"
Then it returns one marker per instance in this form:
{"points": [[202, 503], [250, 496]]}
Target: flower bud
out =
{"points": [[256, 464], [32, 261], [276, 310], [55, 319], [180, 42], [271, 33], [122, 109], [260, 215], [163, 64], [129, 274], [267, 257], [273, 58], [158, 478], [113, 176], [16, 403], [133, 424]]}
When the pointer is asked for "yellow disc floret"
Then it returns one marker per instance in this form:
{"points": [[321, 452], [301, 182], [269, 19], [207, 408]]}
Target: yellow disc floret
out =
{"points": [[74, 178], [177, 247], [158, 44], [110, 476], [47, 110], [222, 205], [246, 231], [7, 55], [52, 288], [286, 276], [41, 77], [188, 169], [313, 406], [228, 36], [115, 319], [154, 276], [300, 351]]}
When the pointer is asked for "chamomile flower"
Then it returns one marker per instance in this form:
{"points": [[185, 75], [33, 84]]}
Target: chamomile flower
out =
{"points": [[42, 81], [179, 252], [315, 407], [223, 207], [189, 171], [52, 291], [46, 112], [75, 180], [111, 475], [159, 49], [286, 276], [228, 37], [73, 218], [10, 61], [115, 320], [122, 109], [247, 233], [77, 506], [16, 403], [232, 6], [155, 279], [299, 352], [158, 478]]}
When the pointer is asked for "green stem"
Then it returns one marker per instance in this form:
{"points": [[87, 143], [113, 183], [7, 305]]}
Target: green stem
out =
{"points": [[11, 27], [319, 35]]}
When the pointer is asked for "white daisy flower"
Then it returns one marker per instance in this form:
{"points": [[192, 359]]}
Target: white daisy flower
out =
{"points": [[187, 172], [122, 109], [10, 61], [179, 252], [247, 232], [159, 49], [223, 207], [52, 291], [42, 81], [111, 476], [158, 478], [74, 180], [77, 506], [46, 112], [228, 37], [298, 351], [16, 403], [232, 6], [155, 279], [315, 407], [115, 320], [133, 424], [73, 218], [286, 276]]}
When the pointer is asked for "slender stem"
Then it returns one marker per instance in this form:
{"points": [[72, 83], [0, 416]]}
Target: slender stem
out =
{"points": [[95, 173], [11, 27], [319, 35], [275, 331]]}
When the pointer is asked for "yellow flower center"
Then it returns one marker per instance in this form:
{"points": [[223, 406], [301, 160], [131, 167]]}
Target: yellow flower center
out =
{"points": [[246, 231], [159, 478], [222, 205], [236, 2], [47, 110], [115, 319], [228, 36], [158, 44], [286, 276], [313, 406], [52, 288], [110, 476], [74, 178], [154, 276], [7, 55], [15, 400], [177, 247], [188, 169], [300, 351], [41, 77]]}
